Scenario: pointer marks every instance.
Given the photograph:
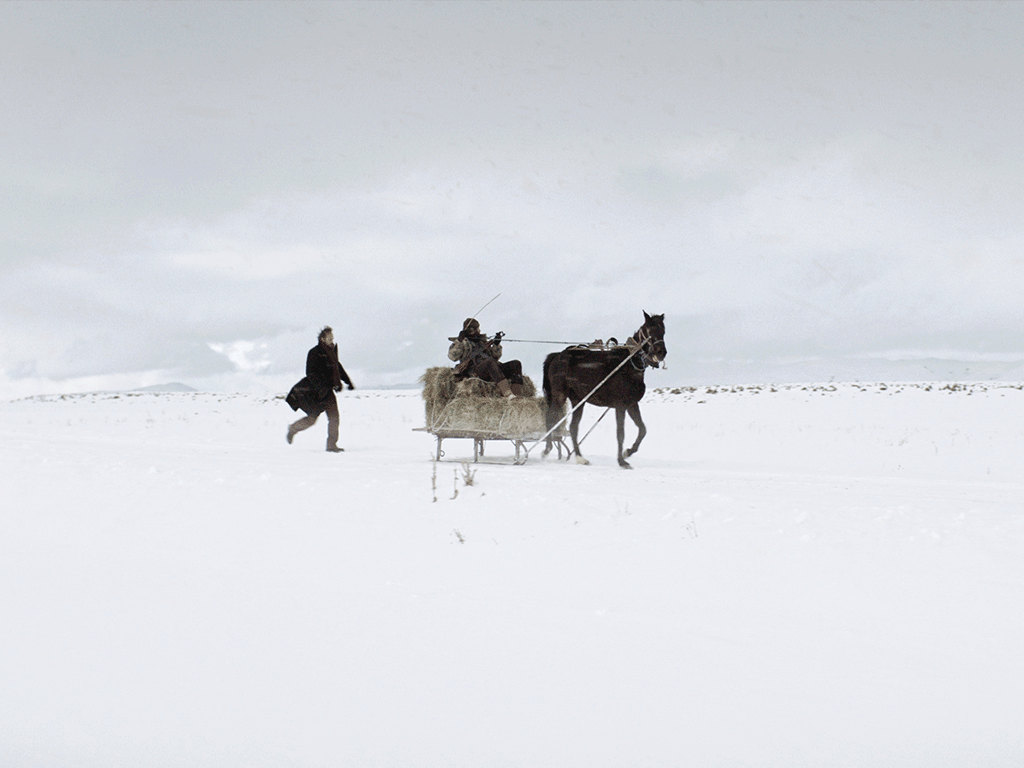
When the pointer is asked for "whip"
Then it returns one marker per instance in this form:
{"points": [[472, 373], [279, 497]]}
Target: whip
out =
{"points": [[484, 306]]}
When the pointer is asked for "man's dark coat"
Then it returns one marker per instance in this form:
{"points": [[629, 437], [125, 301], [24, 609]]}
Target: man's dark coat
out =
{"points": [[324, 375]]}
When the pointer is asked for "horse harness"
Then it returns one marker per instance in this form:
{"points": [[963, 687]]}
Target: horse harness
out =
{"points": [[637, 344]]}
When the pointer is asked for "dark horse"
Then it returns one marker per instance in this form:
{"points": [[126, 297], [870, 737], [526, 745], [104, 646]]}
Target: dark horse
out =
{"points": [[574, 373]]}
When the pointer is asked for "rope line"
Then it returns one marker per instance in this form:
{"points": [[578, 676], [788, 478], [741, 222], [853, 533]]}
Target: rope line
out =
{"points": [[534, 341]]}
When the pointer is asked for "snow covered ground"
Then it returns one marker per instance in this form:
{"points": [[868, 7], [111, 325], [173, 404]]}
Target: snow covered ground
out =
{"points": [[791, 576]]}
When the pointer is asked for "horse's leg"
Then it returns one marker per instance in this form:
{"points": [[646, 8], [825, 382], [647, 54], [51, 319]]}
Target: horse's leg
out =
{"points": [[634, 413], [555, 403], [552, 415], [553, 442], [620, 434], [574, 426], [554, 396]]}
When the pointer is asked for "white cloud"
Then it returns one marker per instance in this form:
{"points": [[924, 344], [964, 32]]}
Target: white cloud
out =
{"points": [[247, 356], [775, 182]]}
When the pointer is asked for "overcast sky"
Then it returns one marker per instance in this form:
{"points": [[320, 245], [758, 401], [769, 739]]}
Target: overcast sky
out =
{"points": [[190, 190]]}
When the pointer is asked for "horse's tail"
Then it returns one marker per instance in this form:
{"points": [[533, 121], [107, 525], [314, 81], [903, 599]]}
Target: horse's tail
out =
{"points": [[546, 378]]}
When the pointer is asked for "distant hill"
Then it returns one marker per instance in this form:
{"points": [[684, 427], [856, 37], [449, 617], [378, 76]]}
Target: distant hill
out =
{"points": [[729, 372], [174, 386]]}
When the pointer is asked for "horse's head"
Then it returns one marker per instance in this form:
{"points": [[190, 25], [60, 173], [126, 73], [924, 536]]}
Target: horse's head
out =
{"points": [[652, 339]]}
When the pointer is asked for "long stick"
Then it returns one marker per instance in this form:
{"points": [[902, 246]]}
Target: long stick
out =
{"points": [[580, 441]]}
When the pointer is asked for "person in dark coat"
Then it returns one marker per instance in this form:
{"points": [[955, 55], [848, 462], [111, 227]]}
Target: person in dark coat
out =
{"points": [[314, 394], [479, 356]]}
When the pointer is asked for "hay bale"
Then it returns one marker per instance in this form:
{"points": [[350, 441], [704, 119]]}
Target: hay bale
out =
{"points": [[477, 406], [474, 387], [438, 385], [519, 417]]}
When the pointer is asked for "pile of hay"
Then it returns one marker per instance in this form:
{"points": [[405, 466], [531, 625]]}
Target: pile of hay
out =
{"points": [[472, 405]]}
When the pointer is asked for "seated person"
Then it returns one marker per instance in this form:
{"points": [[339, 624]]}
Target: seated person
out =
{"points": [[479, 356]]}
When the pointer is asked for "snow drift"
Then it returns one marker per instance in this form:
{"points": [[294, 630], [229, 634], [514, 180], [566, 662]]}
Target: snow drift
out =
{"points": [[791, 576]]}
